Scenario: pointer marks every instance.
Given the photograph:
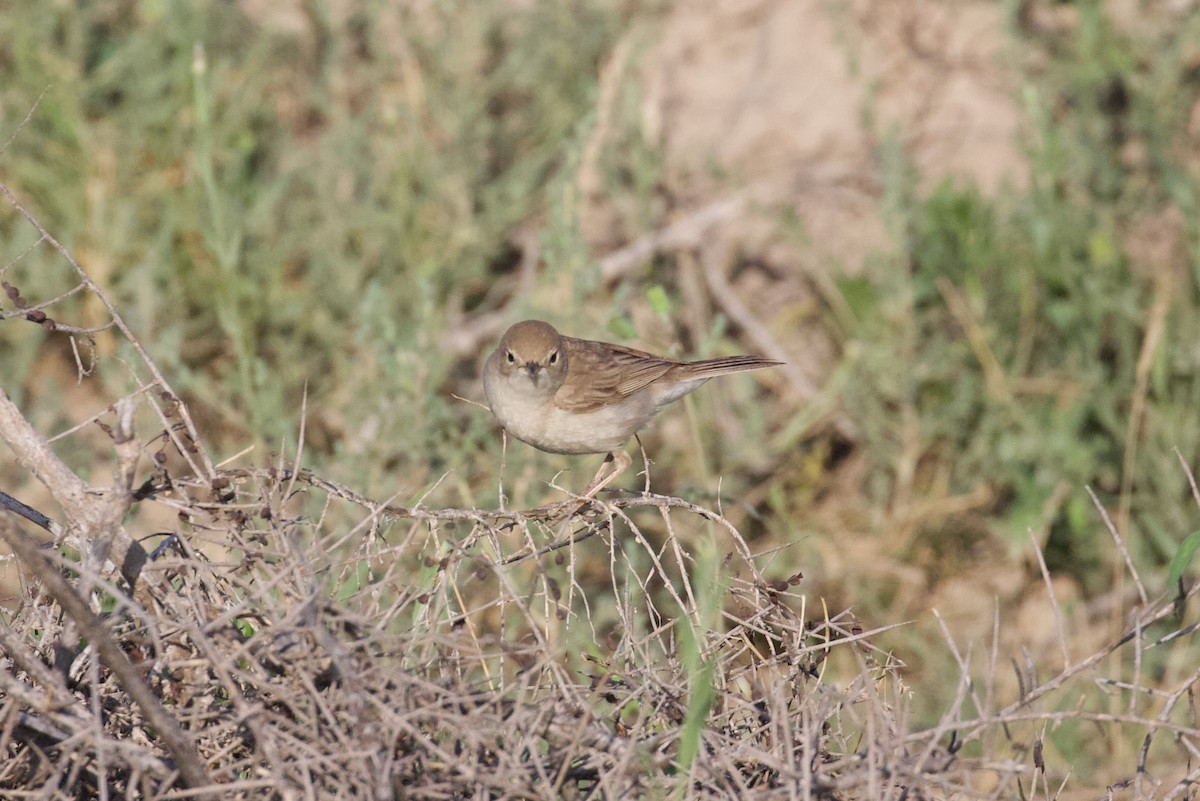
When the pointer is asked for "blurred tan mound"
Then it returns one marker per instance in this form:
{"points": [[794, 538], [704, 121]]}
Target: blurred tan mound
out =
{"points": [[795, 98]]}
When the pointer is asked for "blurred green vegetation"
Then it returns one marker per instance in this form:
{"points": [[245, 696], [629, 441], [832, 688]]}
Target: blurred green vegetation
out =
{"points": [[273, 211], [1001, 343]]}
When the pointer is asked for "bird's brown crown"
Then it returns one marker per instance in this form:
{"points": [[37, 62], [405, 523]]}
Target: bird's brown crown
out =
{"points": [[531, 340]]}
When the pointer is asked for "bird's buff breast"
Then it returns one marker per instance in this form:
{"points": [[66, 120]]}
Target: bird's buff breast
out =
{"points": [[542, 424]]}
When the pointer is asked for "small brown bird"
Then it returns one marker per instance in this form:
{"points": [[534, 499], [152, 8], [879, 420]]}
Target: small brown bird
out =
{"points": [[567, 395]]}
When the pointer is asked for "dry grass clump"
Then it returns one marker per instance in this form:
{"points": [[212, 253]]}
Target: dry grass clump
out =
{"points": [[371, 651], [322, 660]]}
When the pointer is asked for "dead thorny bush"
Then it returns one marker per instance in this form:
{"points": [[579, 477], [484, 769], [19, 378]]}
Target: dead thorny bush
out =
{"points": [[291, 637]]}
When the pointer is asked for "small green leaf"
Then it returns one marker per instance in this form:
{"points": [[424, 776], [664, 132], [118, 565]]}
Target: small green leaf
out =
{"points": [[1101, 250], [1181, 560], [861, 296], [622, 328], [659, 301]]}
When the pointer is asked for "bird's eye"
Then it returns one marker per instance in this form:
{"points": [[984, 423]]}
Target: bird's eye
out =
{"points": [[553, 358], [512, 359]]}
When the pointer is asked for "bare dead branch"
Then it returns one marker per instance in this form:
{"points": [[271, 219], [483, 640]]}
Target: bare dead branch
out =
{"points": [[181, 747], [87, 513]]}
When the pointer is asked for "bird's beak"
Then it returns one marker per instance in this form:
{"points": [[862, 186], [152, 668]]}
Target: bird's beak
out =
{"points": [[532, 368]]}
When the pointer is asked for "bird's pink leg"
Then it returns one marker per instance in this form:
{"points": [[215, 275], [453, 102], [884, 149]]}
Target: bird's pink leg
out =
{"points": [[620, 459]]}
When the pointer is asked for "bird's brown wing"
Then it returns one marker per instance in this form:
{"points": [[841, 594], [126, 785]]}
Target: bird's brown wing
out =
{"points": [[599, 374]]}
